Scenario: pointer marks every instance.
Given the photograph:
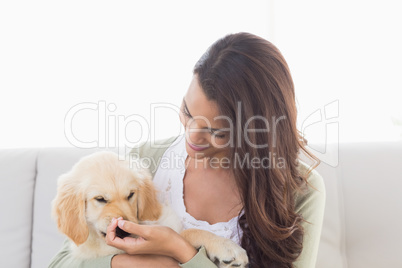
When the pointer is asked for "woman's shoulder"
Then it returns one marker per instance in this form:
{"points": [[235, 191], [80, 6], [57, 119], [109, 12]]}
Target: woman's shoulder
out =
{"points": [[313, 193], [151, 151], [310, 204], [153, 146], [313, 177]]}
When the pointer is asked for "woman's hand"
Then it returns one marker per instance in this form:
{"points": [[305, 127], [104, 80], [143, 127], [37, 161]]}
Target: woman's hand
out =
{"points": [[152, 239]]}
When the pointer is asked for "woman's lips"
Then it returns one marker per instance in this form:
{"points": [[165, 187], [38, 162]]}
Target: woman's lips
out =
{"points": [[197, 148]]}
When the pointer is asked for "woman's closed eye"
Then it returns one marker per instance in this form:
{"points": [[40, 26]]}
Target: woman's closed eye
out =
{"points": [[218, 134]]}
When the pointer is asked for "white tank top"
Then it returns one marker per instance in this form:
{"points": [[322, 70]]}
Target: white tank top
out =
{"points": [[168, 181]]}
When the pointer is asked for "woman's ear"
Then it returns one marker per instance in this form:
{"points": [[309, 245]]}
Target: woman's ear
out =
{"points": [[68, 208], [149, 208]]}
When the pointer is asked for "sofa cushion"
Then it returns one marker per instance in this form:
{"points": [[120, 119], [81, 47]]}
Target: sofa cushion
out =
{"points": [[17, 181], [372, 180], [46, 239]]}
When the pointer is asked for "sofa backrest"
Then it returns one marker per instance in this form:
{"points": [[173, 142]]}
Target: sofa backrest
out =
{"points": [[17, 183], [371, 177], [362, 212]]}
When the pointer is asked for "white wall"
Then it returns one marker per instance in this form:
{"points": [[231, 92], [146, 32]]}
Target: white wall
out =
{"points": [[57, 55], [346, 54]]}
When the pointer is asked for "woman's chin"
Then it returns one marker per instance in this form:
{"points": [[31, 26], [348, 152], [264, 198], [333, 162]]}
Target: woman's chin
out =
{"points": [[196, 154]]}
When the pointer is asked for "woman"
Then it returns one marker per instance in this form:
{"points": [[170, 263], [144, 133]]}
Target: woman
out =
{"points": [[242, 178]]}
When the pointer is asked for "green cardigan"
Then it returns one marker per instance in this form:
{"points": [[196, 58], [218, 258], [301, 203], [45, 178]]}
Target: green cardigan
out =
{"points": [[310, 205]]}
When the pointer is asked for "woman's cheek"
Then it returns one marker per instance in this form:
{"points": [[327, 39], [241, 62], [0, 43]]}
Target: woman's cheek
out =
{"points": [[221, 143]]}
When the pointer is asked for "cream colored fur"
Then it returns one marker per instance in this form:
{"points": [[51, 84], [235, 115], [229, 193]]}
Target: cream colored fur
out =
{"points": [[82, 214]]}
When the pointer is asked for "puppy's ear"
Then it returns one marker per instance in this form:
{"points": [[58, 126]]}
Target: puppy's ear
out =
{"points": [[68, 208], [149, 208]]}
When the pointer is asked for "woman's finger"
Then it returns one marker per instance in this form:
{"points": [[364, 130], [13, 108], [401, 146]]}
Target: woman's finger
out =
{"points": [[111, 238], [111, 230], [128, 244]]}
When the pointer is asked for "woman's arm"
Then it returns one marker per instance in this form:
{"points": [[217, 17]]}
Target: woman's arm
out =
{"points": [[126, 260], [311, 206], [64, 259]]}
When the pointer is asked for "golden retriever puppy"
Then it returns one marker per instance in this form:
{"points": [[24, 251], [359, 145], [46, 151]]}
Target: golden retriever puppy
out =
{"points": [[101, 187]]}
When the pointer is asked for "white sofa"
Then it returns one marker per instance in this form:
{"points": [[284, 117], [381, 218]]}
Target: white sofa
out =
{"points": [[362, 224]]}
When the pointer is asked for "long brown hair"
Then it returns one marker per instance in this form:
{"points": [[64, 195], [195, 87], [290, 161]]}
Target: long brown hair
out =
{"points": [[247, 76]]}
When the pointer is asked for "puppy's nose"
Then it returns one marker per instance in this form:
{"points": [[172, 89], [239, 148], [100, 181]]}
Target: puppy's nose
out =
{"points": [[121, 233]]}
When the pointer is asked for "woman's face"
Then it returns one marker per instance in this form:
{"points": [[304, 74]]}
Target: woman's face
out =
{"points": [[207, 132]]}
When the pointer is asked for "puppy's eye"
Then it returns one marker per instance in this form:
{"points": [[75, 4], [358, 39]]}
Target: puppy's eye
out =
{"points": [[100, 199], [130, 195]]}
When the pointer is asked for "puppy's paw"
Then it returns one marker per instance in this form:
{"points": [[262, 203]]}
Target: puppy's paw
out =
{"points": [[226, 253]]}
